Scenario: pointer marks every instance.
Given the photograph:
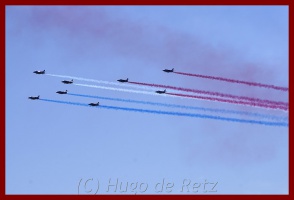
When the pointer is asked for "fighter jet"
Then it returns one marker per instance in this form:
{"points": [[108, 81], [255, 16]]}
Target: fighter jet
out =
{"points": [[160, 92], [94, 104], [122, 80], [34, 98], [67, 82], [39, 72], [62, 92], [168, 70]]}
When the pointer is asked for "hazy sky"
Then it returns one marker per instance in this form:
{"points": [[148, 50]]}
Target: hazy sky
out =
{"points": [[54, 148]]}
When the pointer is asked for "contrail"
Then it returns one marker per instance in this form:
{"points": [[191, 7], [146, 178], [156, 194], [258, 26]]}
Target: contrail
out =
{"points": [[285, 89], [222, 111], [212, 93], [101, 82], [231, 101], [174, 113]]}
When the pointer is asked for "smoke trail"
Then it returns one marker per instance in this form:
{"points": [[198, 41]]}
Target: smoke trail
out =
{"points": [[232, 101], [222, 111], [213, 93], [186, 96], [64, 102], [119, 89], [143, 86], [285, 89], [175, 113], [100, 81]]}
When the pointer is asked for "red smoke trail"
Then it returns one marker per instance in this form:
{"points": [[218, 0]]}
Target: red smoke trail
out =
{"points": [[232, 101], [261, 101], [285, 89]]}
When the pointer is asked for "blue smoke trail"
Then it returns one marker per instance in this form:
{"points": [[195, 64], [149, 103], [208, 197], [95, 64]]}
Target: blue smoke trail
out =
{"points": [[186, 107], [174, 113], [65, 102]]}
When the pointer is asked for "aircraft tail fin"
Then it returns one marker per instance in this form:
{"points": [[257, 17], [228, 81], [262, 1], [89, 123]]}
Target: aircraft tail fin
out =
{"points": [[173, 70]]}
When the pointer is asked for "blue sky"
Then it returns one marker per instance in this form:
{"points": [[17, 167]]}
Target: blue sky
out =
{"points": [[51, 147]]}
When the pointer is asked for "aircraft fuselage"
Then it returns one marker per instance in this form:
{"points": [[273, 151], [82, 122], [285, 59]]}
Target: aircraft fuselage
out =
{"points": [[39, 72], [160, 92], [34, 98], [123, 80], [62, 92], [94, 104], [168, 70], [67, 82]]}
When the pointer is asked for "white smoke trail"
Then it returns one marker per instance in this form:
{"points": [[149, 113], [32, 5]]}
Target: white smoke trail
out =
{"points": [[121, 89], [103, 82]]}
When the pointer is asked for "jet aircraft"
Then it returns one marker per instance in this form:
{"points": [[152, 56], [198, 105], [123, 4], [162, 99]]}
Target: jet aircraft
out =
{"points": [[67, 82], [39, 72], [168, 70], [160, 92], [123, 80], [62, 92], [34, 98], [94, 104]]}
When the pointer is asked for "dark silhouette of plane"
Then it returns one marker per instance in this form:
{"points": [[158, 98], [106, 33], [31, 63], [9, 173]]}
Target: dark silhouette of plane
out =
{"points": [[94, 104], [67, 82], [62, 92], [122, 80], [39, 72], [168, 70], [160, 92], [34, 98]]}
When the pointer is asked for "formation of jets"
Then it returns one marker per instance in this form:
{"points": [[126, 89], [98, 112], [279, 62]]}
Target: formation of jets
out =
{"points": [[93, 104], [158, 91], [59, 92]]}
